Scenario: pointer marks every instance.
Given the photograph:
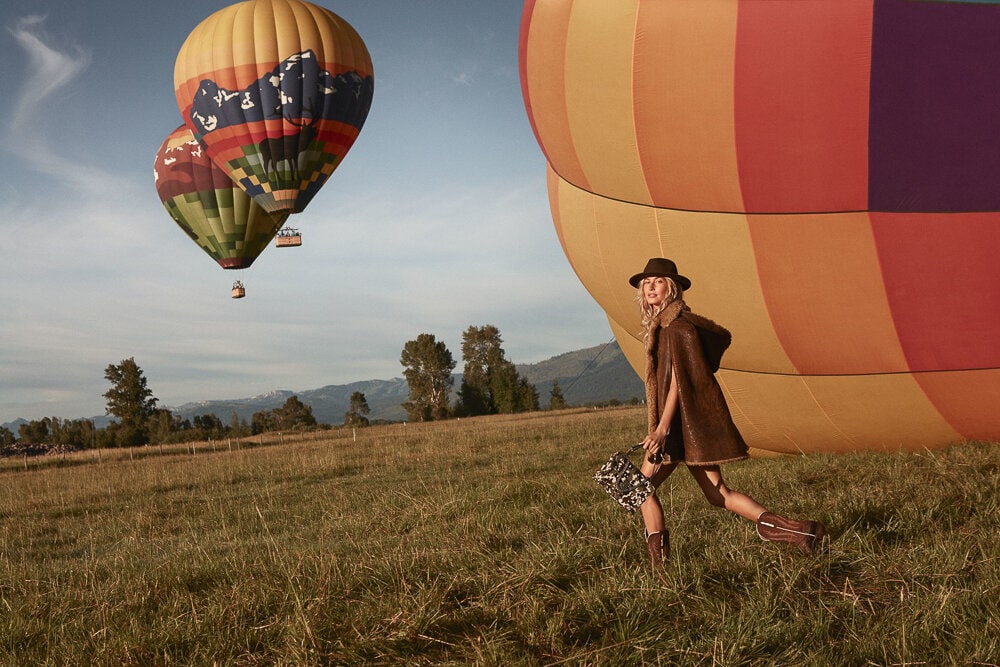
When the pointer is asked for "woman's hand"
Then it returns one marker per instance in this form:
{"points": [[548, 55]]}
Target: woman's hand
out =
{"points": [[654, 445]]}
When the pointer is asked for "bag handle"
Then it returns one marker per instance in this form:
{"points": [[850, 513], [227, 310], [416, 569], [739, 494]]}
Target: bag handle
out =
{"points": [[637, 446]]}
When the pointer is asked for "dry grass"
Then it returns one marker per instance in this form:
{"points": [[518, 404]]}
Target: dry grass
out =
{"points": [[484, 541]]}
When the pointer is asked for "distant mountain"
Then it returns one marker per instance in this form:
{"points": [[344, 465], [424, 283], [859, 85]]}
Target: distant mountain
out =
{"points": [[14, 425], [329, 403], [593, 375]]}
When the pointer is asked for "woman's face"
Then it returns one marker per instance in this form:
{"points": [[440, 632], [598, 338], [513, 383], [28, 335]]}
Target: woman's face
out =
{"points": [[655, 290]]}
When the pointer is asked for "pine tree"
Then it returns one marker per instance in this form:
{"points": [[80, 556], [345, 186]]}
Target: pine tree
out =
{"points": [[356, 414], [556, 400], [130, 400]]}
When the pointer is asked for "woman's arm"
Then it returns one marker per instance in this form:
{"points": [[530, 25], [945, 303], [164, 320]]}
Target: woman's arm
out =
{"points": [[653, 443]]}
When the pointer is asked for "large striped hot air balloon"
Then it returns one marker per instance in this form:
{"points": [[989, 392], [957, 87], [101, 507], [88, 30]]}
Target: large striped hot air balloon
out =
{"points": [[277, 91], [212, 210], [827, 172]]}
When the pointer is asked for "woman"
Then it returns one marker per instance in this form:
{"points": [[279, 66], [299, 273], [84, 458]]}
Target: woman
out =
{"points": [[689, 420]]}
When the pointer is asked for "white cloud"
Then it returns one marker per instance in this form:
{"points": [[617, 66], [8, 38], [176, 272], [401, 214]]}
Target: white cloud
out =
{"points": [[50, 72]]}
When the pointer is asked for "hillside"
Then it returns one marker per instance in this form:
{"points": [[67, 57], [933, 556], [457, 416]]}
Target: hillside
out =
{"points": [[593, 375]]}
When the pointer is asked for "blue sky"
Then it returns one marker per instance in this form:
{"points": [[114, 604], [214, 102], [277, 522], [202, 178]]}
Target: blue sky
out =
{"points": [[437, 219]]}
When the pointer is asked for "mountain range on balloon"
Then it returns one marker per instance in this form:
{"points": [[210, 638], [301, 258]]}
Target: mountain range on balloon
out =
{"points": [[263, 128]]}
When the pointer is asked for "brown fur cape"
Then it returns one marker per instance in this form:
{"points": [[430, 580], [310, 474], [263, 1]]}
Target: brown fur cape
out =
{"points": [[702, 431]]}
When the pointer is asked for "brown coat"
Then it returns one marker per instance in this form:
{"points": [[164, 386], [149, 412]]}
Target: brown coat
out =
{"points": [[702, 431]]}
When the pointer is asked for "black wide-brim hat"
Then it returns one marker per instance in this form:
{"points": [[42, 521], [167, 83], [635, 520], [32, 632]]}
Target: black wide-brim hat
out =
{"points": [[659, 266]]}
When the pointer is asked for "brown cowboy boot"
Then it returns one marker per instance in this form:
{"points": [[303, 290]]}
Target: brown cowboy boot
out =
{"points": [[658, 546], [806, 535]]}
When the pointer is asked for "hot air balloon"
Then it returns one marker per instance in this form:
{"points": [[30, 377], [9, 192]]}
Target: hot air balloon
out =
{"points": [[277, 92], [211, 209], [826, 172]]}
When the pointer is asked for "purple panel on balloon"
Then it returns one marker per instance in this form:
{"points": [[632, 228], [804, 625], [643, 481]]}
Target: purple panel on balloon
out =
{"points": [[934, 138]]}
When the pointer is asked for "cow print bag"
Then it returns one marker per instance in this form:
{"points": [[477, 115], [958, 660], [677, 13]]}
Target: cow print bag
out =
{"points": [[623, 481]]}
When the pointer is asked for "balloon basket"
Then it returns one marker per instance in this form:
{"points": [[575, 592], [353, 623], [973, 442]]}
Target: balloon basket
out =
{"points": [[288, 238], [288, 241]]}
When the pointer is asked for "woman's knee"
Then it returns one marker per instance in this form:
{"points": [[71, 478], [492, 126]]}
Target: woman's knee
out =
{"points": [[711, 484], [716, 495]]}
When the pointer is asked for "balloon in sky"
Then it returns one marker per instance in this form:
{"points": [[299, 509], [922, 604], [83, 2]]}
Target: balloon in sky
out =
{"points": [[828, 175], [277, 91], [201, 198]]}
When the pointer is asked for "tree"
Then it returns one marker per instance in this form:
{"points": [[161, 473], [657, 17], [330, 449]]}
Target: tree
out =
{"points": [[294, 414], [7, 437], [35, 432], [74, 433], [162, 425], [479, 352], [262, 422], [556, 400], [130, 400], [428, 373], [490, 382], [356, 415], [237, 426], [511, 391], [209, 424]]}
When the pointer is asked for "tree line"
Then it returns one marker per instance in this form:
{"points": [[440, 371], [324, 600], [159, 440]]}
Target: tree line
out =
{"points": [[490, 381], [138, 421], [490, 384]]}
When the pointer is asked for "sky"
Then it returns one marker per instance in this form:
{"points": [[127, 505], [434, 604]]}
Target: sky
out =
{"points": [[437, 220]]}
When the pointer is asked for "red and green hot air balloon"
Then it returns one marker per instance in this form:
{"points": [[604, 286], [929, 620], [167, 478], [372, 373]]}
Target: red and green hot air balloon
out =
{"points": [[211, 209], [277, 92]]}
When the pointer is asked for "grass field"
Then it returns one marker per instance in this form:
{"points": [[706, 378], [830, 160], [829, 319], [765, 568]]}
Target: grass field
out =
{"points": [[485, 541]]}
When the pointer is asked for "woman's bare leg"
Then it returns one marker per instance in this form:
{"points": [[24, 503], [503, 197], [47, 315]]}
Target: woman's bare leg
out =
{"points": [[651, 509], [709, 478]]}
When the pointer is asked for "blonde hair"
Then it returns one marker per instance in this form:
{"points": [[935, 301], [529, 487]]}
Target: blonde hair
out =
{"points": [[648, 312]]}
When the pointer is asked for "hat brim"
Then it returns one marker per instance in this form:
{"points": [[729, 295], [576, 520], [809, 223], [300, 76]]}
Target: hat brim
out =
{"points": [[682, 281]]}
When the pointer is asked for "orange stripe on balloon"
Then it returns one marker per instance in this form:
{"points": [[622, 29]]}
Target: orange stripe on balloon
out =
{"points": [[545, 83], [522, 63], [802, 81], [822, 283], [238, 77], [683, 98]]}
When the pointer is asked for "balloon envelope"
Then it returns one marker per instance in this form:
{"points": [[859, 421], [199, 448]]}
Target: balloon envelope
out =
{"points": [[824, 172], [277, 91], [211, 209]]}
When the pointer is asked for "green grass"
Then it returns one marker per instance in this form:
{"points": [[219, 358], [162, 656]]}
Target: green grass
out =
{"points": [[485, 541]]}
